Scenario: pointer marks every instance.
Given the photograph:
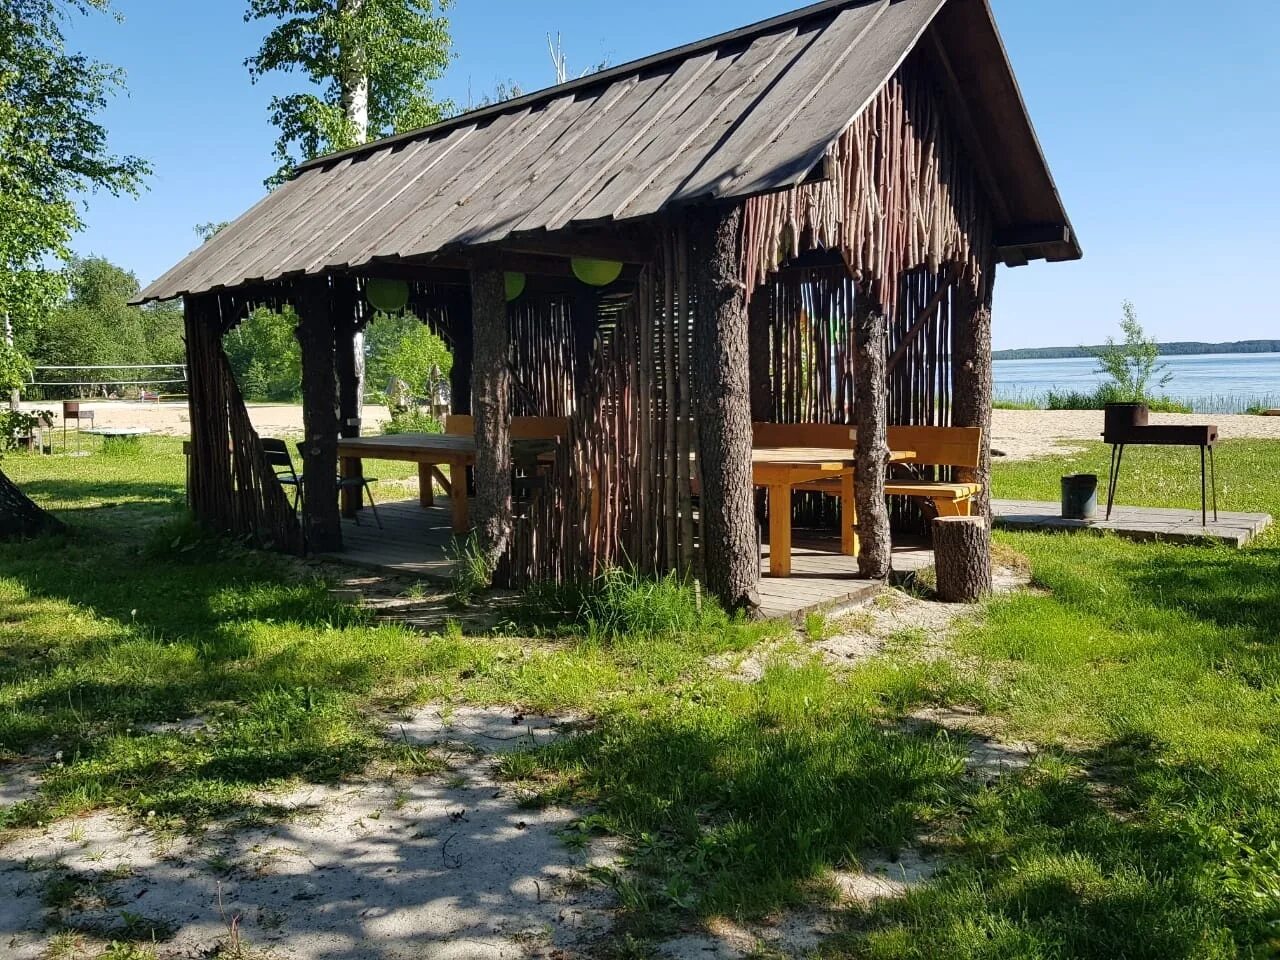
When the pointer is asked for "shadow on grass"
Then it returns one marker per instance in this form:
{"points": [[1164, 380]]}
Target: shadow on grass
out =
{"points": [[1110, 853], [739, 799], [75, 495], [1225, 588]]}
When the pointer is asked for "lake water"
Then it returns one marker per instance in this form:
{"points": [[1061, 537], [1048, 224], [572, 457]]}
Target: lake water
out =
{"points": [[1212, 383]]}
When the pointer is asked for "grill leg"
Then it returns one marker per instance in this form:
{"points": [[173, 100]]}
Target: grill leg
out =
{"points": [[1204, 492], [1117, 457], [1213, 482]]}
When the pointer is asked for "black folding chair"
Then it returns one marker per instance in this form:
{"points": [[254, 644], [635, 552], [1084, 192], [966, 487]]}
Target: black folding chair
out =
{"points": [[352, 483], [281, 464]]}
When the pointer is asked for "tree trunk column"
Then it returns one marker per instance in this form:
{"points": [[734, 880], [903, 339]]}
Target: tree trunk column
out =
{"points": [[723, 404], [321, 523], [872, 446], [491, 401], [972, 377]]}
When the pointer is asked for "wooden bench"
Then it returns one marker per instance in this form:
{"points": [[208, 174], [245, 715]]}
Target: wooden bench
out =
{"points": [[939, 447], [933, 446], [522, 428]]}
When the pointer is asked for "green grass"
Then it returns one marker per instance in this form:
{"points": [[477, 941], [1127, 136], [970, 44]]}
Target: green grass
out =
{"points": [[1148, 826]]}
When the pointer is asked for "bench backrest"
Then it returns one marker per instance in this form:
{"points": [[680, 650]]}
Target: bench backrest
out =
{"points": [[824, 435], [939, 446], [522, 428], [936, 446]]}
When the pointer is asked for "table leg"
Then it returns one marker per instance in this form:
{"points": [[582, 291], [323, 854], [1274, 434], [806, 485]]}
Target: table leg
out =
{"points": [[352, 468], [458, 480], [780, 531], [426, 485], [848, 516]]}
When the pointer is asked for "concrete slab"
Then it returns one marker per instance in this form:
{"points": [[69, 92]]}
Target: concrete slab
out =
{"points": [[1160, 524]]}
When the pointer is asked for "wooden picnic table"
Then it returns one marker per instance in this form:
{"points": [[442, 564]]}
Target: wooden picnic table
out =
{"points": [[430, 451], [781, 469]]}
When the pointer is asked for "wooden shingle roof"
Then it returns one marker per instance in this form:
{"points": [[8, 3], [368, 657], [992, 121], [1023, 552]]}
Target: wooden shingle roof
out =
{"points": [[743, 113]]}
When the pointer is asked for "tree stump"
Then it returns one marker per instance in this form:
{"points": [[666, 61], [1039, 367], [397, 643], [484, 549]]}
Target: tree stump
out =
{"points": [[962, 558]]}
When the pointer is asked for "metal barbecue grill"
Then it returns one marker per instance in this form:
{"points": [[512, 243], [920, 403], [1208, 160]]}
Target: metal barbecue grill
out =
{"points": [[1126, 425]]}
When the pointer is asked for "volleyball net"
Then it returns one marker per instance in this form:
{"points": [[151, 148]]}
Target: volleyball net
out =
{"points": [[144, 381]]}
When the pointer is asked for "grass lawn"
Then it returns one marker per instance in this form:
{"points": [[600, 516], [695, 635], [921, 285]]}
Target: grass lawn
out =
{"points": [[1148, 825]]}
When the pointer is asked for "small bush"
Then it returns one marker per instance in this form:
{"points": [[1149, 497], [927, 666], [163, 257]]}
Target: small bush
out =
{"points": [[1109, 393], [623, 603], [412, 421], [471, 572]]}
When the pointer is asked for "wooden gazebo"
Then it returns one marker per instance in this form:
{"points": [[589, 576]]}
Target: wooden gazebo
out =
{"points": [[810, 212]]}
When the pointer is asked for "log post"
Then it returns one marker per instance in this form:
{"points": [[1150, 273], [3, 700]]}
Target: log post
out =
{"points": [[321, 523], [722, 389], [962, 558], [758, 353], [491, 400], [208, 486], [875, 556], [972, 376]]}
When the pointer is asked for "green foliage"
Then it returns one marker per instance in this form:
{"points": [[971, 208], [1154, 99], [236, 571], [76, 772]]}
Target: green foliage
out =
{"points": [[1109, 393], [404, 347], [20, 423], [96, 325], [53, 150], [412, 421], [1132, 366], [623, 604], [472, 573], [265, 356], [387, 50]]}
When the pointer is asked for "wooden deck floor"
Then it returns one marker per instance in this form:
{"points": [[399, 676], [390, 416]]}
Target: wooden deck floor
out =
{"points": [[1136, 523], [415, 542]]}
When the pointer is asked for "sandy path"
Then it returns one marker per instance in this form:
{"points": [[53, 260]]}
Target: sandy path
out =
{"points": [[1027, 434]]}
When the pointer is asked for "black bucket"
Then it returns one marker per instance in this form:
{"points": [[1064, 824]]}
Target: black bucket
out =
{"points": [[1080, 496]]}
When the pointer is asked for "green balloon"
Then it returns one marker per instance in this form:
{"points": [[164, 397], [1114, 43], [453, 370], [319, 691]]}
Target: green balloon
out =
{"points": [[596, 273], [515, 285], [387, 296]]}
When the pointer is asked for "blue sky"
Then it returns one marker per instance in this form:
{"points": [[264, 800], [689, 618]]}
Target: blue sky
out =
{"points": [[1159, 117]]}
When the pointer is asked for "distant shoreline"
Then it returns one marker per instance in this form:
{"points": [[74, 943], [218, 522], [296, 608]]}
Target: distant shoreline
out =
{"points": [[1179, 349]]}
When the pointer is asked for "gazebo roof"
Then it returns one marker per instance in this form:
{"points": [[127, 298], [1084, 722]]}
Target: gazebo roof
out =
{"points": [[740, 114]]}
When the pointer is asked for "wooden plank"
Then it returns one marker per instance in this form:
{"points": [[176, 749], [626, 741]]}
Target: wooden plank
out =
{"points": [[780, 530], [628, 98], [805, 79], [670, 159], [848, 516], [939, 446], [583, 197], [842, 98]]}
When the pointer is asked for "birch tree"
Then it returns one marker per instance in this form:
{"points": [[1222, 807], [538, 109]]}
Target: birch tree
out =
{"points": [[368, 66]]}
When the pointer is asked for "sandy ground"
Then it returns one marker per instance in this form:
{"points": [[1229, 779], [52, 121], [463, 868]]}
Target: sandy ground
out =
{"points": [[173, 419], [1018, 434], [444, 867]]}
